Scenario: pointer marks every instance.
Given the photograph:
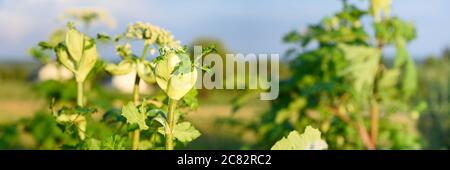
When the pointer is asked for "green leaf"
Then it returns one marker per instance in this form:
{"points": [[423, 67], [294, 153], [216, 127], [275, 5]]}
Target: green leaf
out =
{"points": [[175, 86], [294, 107], [309, 140], [74, 119], [56, 37], [45, 45], [388, 81], [92, 144], [292, 37], [78, 54], [63, 58], [363, 66], [42, 55], [145, 145], [156, 112], [184, 66], [133, 116], [409, 82], [124, 67], [104, 37], [401, 56], [163, 121], [75, 43], [87, 61], [190, 99], [113, 143], [145, 71], [185, 132]]}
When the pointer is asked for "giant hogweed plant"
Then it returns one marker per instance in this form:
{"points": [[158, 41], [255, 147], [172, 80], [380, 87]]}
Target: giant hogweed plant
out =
{"points": [[341, 84], [78, 53], [172, 70], [143, 123], [44, 129], [44, 52]]}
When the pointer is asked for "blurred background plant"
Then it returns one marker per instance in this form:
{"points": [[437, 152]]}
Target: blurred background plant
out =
{"points": [[434, 81], [342, 83]]}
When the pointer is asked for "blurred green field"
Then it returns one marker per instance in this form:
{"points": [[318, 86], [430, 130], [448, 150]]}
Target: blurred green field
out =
{"points": [[221, 127], [19, 100]]}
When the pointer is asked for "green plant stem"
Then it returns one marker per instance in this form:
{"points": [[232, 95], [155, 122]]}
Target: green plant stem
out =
{"points": [[135, 139], [365, 136], [144, 53], [374, 112], [374, 107], [136, 134], [80, 94], [171, 122], [136, 89], [358, 125]]}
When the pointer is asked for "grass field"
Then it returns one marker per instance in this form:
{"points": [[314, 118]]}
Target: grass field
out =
{"points": [[214, 118]]}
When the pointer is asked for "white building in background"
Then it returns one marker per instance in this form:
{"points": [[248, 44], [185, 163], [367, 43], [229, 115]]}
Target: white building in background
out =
{"points": [[54, 71], [125, 83], [122, 83]]}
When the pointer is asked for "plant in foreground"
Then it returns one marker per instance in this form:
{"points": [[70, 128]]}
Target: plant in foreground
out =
{"points": [[78, 54], [172, 70], [153, 120]]}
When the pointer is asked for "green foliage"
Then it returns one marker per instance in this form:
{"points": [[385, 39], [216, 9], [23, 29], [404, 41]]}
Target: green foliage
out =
{"points": [[78, 53], [339, 80], [175, 75], [185, 132], [434, 90], [124, 67], [135, 116], [78, 126], [361, 70], [110, 143], [51, 90], [343, 27], [398, 32], [43, 51], [39, 132]]}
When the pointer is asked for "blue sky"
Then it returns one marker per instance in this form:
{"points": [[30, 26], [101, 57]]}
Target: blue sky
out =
{"points": [[246, 26]]}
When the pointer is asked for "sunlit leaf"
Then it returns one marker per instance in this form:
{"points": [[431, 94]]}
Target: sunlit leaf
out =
{"points": [[124, 67], [309, 140], [133, 116], [175, 86], [78, 120], [145, 71], [363, 65], [185, 132], [78, 54]]}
